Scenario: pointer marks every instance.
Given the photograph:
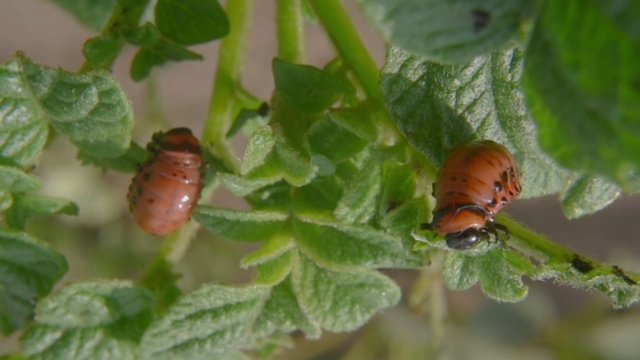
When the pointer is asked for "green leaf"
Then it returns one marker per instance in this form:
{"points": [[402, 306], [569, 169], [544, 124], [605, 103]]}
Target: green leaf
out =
{"points": [[342, 247], [270, 158], [6, 200], [146, 35], [240, 225], [128, 162], [28, 205], [235, 355], [275, 246], [283, 314], [445, 30], [142, 63], [402, 220], [207, 322], [93, 14], [587, 194], [102, 48], [28, 270], [341, 301], [519, 263], [241, 186], [97, 320], [15, 180], [259, 148], [159, 54], [305, 88], [398, 185], [357, 119], [166, 51], [359, 203], [147, 58], [322, 166], [274, 270], [498, 271], [582, 87], [460, 272], [248, 116], [90, 108], [319, 197], [499, 280], [132, 3], [162, 280], [334, 141], [189, 22], [23, 133], [622, 14], [296, 169], [438, 107]]}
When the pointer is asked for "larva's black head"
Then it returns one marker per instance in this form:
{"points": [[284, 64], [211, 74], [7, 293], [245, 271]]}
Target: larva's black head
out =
{"points": [[464, 239]]}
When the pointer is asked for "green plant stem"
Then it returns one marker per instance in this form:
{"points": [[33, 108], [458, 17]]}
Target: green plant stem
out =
{"points": [[337, 24], [290, 30], [224, 105], [354, 53], [120, 18], [547, 251], [428, 296], [536, 245]]}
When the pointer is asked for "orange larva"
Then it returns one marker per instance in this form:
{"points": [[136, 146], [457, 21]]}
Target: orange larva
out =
{"points": [[476, 181], [164, 192]]}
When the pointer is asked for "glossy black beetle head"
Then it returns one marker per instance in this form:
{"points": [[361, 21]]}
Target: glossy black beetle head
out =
{"points": [[464, 239]]}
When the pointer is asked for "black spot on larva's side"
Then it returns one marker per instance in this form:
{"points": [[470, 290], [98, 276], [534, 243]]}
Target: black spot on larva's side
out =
{"points": [[503, 201], [623, 276], [497, 186], [493, 203], [481, 19], [464, 180], [151, 201], [581, 264], [505, 176], [512, 172], [511, 194], [184, 177]]}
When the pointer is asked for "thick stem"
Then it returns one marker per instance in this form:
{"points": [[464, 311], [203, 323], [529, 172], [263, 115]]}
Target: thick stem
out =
{"points": [[337, 24], [290, 30], [224, 105], [546, 251], [354, 53], [535, 244]]}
